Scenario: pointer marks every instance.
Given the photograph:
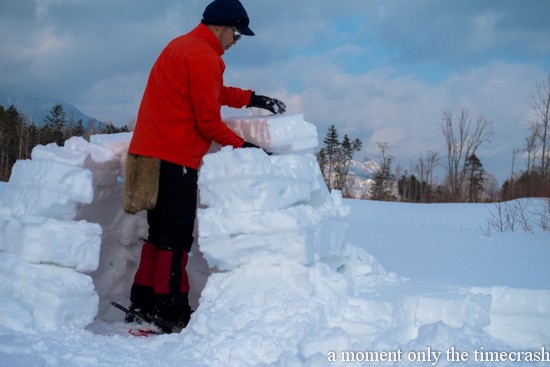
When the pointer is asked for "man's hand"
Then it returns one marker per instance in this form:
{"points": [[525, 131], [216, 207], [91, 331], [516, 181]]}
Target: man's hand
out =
{"points": [[250, 145], [267, 103]]}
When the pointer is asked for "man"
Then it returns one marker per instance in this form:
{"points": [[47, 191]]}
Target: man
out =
{"points": [[179, 117]]}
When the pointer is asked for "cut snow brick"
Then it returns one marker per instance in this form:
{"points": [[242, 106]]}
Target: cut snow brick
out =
{"points": [[47, 240], [249, 180], [25, 202], [228, 239], [279, 134], [74, 182], [55, 153], [55, 296], [47, 188], [455, 310]]}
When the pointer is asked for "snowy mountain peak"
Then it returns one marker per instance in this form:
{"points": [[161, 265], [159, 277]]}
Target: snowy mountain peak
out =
{"points": [[35, 109], [366, 169]]}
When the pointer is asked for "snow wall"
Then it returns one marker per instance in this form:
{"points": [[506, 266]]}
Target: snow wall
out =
{"points": [[64, 250], [68, 249]]}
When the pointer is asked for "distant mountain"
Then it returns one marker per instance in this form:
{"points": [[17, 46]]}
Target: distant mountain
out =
{"points": [[35, 109], [360, 178]]}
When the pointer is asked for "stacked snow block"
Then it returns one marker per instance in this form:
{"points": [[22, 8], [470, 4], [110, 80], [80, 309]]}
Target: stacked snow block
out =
{"points": [[49, 244], [272, 132], [275, 206]]}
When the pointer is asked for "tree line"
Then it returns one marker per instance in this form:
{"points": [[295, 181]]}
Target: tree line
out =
{"points": [[534, 180], [18, 137], [465, 177]]}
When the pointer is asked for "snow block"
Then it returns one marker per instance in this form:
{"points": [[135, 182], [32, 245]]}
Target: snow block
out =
{"points": [[455, 310], [519, 315], [229, 239], [228, 253], [117, 144], [2, 246], [61, 242], [101, 155], [250, 180], [55, 296], [107, 154], [54, 176], [3, 186], [55, 153], [39, 202], [47, 188], [266, 207], [279, 134]]}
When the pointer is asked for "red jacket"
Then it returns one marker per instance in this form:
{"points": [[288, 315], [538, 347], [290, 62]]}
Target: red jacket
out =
{"points": [[179, 115]]}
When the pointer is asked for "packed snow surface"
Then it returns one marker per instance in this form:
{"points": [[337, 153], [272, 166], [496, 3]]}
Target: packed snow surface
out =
{"points": [[283, 273]]}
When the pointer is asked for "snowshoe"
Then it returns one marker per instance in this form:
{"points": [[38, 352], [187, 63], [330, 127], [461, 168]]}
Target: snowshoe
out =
{"points": [[136, 316]]}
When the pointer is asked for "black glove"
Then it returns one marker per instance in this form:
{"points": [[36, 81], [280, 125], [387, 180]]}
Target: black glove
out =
{"points": [[267, 103], [250, 145]]}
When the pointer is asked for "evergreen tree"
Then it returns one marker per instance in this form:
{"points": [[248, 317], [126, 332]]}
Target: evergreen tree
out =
{"points": [[335, 158], [79, 129], [383, 181], [14, 132], [109, 129], [112, 129], [409, 188], [11, 137], [4, 141], [476, 178], [322, 159], [343, 160], [331, 147], [55, 121]]}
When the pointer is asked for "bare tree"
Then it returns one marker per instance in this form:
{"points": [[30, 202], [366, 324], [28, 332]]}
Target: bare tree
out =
{"points": [[491, 188], [424, 168], [540, 102], [461, 144], [532, 145]]}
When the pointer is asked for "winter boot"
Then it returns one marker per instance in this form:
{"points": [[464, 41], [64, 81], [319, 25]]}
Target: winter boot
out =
{"points": [[173, 311], [142, 301]]}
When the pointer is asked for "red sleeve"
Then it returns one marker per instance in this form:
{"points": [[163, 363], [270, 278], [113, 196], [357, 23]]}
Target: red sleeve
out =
{"points": [[206, 92], [235, 97]]}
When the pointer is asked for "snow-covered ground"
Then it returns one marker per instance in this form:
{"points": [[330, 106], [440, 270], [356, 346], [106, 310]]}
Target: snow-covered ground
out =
{"points": [[284, 273]]}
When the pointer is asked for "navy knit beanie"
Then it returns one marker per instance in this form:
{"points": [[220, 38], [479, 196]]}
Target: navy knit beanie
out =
{"points": [[228, 13]]}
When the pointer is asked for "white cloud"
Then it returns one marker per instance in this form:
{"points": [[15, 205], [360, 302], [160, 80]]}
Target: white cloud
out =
{"points": [[377, 70], [404, 111], [114, 99], [43, 7]]}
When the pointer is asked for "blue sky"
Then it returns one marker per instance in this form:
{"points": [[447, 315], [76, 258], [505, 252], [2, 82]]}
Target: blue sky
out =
{"points": [[382, 71]]}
